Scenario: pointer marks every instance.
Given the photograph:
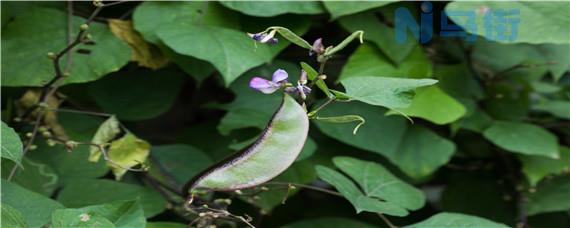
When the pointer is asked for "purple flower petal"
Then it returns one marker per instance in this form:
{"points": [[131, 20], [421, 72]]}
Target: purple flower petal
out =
{"points": [[279, 76], [263, 85]]}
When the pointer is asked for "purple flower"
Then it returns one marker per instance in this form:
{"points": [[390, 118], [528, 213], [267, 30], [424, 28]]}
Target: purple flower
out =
{"points": [[265, 86], [263, 37]]}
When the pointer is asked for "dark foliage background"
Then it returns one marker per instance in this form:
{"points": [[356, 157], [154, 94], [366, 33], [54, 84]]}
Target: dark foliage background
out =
{"points": [[490, 139]]}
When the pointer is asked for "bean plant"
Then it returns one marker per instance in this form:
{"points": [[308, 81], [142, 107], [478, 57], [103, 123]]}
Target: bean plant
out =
{"points": [[285, 114]]}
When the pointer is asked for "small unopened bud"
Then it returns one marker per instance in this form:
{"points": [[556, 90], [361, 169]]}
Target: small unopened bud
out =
{"points": [[532, 190], [70, 145], [98, 3], [318, 47], [66, 74], [263, 188], [33, 147], [51, 55], [17, 119], [303, 78], [46, 134], [239, 192], [50, 142], [43, 129], [322, 77], [87, 37], [83, 27], [29, 134], [202, 214]]}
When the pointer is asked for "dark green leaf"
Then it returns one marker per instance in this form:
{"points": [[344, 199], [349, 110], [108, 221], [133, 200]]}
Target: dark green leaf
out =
{"points": [[337, 9], [329, 222], [12, 217], [35, 208], [11, 145], [550, 196], [269, 9], [121, 214], [446, 219], [536, 168], [523, 138], [32, 67]]}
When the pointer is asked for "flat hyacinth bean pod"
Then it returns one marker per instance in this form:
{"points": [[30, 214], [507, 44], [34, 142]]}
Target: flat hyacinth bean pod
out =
{"points": [[272, 153]]}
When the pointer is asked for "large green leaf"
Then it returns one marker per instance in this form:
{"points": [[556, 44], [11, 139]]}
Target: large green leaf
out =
{"points": [[12, 217], [550, 196], [533, 61], [63, 218], [338, 9], [432, 104], [329, 222], [384, 91], [557, 108], [379, 33], [83, 193], [367, 60], [230, 51], [31, 67], [11, 145], [421, 152], [376, 183], [165, 225], [35, 208], [523, 138], [539, 22], [149, 94], [456, 220], [389, 136], [121, 214], [537, 167], [269, 9], [149, 17]]}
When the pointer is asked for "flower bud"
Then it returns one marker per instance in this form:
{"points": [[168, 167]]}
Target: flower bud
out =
{"points": [[51, 55], [83, 27], [318, 47]]}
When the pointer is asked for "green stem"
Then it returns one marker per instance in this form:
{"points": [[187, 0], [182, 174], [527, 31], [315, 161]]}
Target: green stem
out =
{"points": [[314, 112]]}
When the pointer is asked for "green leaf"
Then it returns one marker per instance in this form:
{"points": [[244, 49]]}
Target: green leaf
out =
{"points": [[376, 183], [390, 137], [432, 104], [75, 165], [422, 152], [149, 17], [447, 219], [35, 208], [457, 81], [83, 193], [540, 22], [105, 133], [12, 217], [550, 196], [33, 175], [367, 60], [329, 222], [110, 53], [523, 138], [269, 9], [73, 218], [143, 99], [179, 161], [536, 168], [165, 225], [121, 214], [380, 34], [230, 51], [338, 9], [11, 145], [127, 152], [383, 91], [557, 108]]}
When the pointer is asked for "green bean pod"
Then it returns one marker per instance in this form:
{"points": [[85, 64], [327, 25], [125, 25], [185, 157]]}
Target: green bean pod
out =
{"points": [[272, 153]]}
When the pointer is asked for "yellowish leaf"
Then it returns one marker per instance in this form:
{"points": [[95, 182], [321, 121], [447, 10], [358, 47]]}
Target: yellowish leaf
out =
{"points": [[143, 53], [127, 152], [107, 131]]}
